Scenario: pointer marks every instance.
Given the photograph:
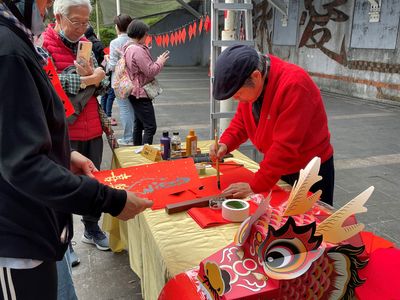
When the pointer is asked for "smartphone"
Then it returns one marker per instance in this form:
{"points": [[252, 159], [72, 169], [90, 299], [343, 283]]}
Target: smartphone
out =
{"points": [[84, 52]]}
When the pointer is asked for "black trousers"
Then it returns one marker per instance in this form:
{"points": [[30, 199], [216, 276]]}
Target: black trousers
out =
{"points": [[326, 185], [145, 125], [29, 284], [92, 149]]}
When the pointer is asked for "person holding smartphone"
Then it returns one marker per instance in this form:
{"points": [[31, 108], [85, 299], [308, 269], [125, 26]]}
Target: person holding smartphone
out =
{"points": [[62, 41], [142, 69]]}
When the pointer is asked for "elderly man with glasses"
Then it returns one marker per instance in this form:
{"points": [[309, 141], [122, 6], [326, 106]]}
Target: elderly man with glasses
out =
{"points": [[61, 41]]}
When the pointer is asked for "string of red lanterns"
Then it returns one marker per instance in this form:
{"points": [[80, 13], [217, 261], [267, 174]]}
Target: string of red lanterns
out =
{"points": [[178, 36]]}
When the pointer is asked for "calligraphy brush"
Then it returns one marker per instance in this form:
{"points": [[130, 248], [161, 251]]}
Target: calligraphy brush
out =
{"points": [[217, 161]]}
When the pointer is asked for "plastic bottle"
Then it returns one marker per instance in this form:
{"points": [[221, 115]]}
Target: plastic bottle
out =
{"points": [[176, 149], [165, 145], [191, 143]]}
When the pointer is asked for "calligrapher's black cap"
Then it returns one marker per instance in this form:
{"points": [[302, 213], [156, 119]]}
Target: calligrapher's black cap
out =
{"points": [[234, 65]]}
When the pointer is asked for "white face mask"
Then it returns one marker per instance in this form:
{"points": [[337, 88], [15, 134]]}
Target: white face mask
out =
{"points": [[62, 34]]}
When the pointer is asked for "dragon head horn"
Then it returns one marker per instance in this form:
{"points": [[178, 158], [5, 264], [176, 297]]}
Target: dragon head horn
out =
{"points": [[332, 229], [298, 202]]}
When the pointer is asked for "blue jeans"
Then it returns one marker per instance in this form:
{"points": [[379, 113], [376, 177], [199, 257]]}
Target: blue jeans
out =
{"points": [[107, 101], [127, 116], [66, 289]]}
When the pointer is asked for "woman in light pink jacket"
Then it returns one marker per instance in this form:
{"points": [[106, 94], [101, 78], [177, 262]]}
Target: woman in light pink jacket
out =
{"points": [[142, 69]]}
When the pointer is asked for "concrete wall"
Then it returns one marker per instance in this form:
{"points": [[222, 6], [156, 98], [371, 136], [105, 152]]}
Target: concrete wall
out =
{"points": [[194, 52], [337, 44]]}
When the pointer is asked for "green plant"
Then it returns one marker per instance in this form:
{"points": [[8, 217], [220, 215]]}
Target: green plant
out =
{"points": [[107, 34]]}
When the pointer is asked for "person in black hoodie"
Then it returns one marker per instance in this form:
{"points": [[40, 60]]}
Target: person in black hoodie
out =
{"points": [[42, 182], [97, 45]]}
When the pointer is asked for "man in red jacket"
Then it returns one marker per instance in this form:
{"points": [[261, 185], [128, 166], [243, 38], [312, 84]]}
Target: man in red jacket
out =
{"points": [[281, 111]]}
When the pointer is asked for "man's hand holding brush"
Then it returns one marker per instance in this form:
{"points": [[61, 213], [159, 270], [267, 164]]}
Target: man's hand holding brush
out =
{"points": [[235, 190]]}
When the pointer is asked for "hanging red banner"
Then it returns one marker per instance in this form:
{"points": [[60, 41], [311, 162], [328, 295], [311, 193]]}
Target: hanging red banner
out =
{"points": [[166, 40], [183, 35], [194, 29], [148, 41], [200, 25], [207, 24], [190, 31], [177, 37], [55, 81], [158, 40]]}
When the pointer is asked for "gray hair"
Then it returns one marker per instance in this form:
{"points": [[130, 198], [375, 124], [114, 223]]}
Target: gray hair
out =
{"points": [[62, 6], [262, 67]]}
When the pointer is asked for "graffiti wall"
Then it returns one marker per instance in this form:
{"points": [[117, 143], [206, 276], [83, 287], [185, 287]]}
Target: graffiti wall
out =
{"points": [[348, 46]]}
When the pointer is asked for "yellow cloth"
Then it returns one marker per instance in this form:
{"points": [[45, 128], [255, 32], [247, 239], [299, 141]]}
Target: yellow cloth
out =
{"points": [[161, 245]]}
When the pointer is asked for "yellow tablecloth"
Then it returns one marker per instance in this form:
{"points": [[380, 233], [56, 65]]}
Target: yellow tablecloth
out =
{"points": [[160, 245]]}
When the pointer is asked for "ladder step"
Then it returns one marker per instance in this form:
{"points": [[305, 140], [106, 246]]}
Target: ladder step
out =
{"points": [[220, 43], [222, 115], [233, 6]]}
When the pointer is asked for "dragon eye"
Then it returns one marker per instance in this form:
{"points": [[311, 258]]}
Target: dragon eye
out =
{"points": [[283, 257], [278, 257]]}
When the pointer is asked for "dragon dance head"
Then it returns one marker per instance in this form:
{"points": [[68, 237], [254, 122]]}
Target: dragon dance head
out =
{"points": [[298, 250]]}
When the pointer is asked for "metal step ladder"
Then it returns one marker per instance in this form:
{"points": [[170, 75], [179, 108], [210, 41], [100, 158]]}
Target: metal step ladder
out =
{"points": [[245, 7]]}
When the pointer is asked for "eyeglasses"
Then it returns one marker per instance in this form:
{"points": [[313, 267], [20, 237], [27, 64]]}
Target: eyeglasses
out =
{"points": [[78, 25]]}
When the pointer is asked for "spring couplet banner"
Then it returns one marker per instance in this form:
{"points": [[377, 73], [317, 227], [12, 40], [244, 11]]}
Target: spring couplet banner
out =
{"points": [[55, 81]]}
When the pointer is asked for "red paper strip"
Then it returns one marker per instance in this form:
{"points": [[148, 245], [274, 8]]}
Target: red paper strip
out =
{"points": [[200, 25], [55, 81], [207, 24], [207, 217], [172, 39], [194, 29], [163, 41], [166, 40], [177, 37], [190, 32], [148, 41], [161, 179], [183, 35], [159, 40], [207, 186]]}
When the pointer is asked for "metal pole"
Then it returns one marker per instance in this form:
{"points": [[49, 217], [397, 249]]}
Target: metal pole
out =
{"points": [[97, 20], [228, 34], [118, 7]]}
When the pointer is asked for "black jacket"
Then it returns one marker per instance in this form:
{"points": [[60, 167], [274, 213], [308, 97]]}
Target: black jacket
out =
{"points": [[97, 45], [38, 193]]}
